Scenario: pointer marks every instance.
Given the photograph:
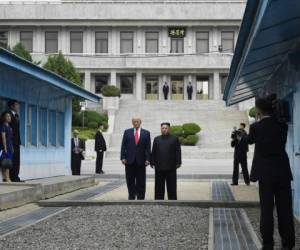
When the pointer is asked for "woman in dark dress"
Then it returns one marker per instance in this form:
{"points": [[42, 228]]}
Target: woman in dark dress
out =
{"points": [[6, 145]]}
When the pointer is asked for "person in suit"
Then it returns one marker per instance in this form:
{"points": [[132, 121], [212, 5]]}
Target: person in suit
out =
{"points": [[189, 90], [77, 150], [271, 168], [13, 107], [135, 156], [165, 159], [100, 148], [240, 145], [166, 90]]}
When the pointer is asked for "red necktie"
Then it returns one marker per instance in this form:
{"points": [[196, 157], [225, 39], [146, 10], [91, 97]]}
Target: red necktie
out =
{"points": [[136, 136]]}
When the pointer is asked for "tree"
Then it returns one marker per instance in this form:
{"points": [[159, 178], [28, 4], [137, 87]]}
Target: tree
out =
{"points": [[65, 68], [20, 51]]}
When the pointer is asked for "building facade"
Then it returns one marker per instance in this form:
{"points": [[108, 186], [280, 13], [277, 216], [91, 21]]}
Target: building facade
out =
{"points": [[135, 45]]}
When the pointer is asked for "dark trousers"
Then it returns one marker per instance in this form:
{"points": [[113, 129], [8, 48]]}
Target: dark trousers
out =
{"points": [[190, 96], [280, 192], [244, 165], [14, 172], [76, 164], [162, 178], [136, 181], [166, 96], [99, 162]]}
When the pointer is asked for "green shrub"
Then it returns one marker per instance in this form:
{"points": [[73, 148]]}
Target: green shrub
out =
{"points": [[181, 138], [252, 112], [85, 133], [93, 125], [110, 90], [190, 140], [89, 116], [177, 130], [191, 128], [77, 119]]}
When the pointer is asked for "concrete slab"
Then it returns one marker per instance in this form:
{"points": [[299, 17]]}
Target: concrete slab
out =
{"points": [[245, 193], [18, 194], [186, 190]]}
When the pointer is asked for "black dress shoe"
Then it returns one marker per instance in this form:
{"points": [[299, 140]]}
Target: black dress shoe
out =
{"points": [[234, 184], [102, 172]]}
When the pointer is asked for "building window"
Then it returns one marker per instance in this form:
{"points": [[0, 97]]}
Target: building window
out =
{"points": [[202, 42], [152, 42], [227, 41], [26, 38], [76, 41], [177, 45], [101, 42], [31, 125], [52, 128], [43, 129], [202, 87], [100, 81], [61, 128], [3, 39], [126, 84], [126, 42], [51, 42]]}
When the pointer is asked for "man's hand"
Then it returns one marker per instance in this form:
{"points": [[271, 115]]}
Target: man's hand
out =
{"points": [[147, 163], [100, 150], [124, 162], [178, 166]]}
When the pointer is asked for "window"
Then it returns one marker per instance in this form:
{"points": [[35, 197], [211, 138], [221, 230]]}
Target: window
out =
{"points": [[126, 42], [52, 128], [202, 42], [101, 42], [31, 125], [177, 45], [26, 38], [227, 38], [100, 81], [51, 41], [76, 42], [3, 39], [151, 42], [126, 84], [61, 128], [43, 129]]}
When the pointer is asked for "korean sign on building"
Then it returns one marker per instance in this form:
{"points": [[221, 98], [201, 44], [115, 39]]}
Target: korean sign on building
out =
{"points": [[177, 32]]}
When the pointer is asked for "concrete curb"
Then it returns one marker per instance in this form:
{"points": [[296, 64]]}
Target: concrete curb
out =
{"points": [[211, 233], [34, 192], [200, 204]]}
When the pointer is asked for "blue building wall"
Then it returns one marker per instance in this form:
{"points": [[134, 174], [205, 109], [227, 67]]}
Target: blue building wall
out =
{"points": [[45, 123]]}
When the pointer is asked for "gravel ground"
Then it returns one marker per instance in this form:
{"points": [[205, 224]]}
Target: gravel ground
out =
{"points": [[254, 217], [116, 227]]}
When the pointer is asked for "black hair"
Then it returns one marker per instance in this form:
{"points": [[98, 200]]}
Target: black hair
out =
{"points": [[10, 103], [165, 123], [243, 124], [264, 105]]}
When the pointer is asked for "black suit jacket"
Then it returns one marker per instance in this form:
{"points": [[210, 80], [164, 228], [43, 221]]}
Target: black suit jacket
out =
{"points": [[189, 89], [15, 125], [99, 142], [240, 148], [166, 89], [270, 162], [132, 152], [81, 145]]}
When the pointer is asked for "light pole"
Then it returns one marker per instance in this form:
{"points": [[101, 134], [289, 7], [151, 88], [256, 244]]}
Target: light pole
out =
{"points": [[83, 105]]}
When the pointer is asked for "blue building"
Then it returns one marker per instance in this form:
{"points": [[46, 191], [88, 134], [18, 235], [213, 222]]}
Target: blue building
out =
{"points": [[267, 61], [45, 114]]}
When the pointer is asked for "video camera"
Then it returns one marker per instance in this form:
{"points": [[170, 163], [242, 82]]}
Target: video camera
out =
{"points": [[280, 109]]}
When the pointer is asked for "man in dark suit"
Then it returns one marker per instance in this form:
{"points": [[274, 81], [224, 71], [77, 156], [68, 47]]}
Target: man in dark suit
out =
{"points": [[135, 155], [271, 168], [77, 150], [189, 90], [13, 106], [240, 144], [166, 90], [165, 159], [100, 148]]}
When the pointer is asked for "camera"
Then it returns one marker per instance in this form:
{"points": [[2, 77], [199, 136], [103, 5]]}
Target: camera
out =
{"points": [[235, 133]]}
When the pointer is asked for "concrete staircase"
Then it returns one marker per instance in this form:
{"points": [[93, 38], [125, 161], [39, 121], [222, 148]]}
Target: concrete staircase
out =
{"points": [[215, 119]]}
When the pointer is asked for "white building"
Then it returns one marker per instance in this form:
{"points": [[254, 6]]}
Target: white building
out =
{"points": [[137, 45]]}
